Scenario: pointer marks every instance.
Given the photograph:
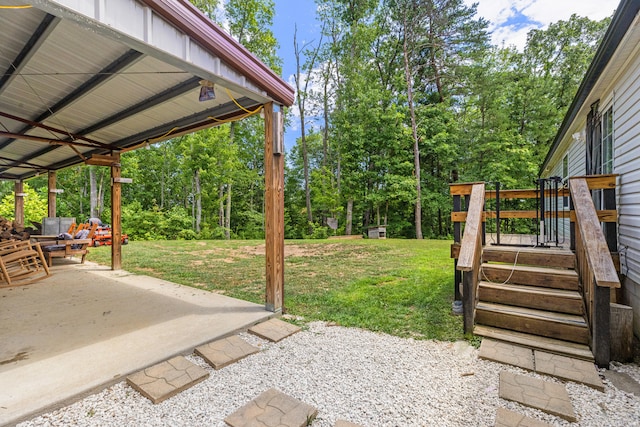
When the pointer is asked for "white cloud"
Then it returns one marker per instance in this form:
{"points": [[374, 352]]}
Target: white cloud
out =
{"points": [[534, 14]]}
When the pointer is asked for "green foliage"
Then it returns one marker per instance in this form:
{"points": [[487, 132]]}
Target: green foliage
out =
{"points": [[35, 206]]}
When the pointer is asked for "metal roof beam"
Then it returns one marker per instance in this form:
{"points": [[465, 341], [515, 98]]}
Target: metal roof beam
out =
{"points": [[163, 96], [101, 77], [30, 48], [184, 125]]}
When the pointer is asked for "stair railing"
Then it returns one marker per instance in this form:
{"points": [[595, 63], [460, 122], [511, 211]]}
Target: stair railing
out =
{"points": [[469, 258], [595, 268]]}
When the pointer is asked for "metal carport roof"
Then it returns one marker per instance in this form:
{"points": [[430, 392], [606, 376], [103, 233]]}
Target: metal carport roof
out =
{"points": [[87, 77]]}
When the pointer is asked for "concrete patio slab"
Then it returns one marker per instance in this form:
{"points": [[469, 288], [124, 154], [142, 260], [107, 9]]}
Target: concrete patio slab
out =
{"points": [[623, 381], [274, 330], [567, 368], [549, 397], [86, 327], [507, 418], [502, 352], [166, 379], [273, 408], [226, 351]]}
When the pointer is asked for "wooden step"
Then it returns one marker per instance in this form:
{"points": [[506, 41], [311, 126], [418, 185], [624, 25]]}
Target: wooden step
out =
{"points": [[528, 275], [550, 345], [542, 257], [558, 300], [567, 327]]}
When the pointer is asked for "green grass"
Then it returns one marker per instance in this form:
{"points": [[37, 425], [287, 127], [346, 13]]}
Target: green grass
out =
{"points": [[400, 287]]}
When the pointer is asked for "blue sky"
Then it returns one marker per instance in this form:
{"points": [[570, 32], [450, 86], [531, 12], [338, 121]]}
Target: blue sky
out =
{"points": [[510, 21]]}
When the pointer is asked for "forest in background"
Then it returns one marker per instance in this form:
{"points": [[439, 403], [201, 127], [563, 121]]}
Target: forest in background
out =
{"points": [[396, 100]]}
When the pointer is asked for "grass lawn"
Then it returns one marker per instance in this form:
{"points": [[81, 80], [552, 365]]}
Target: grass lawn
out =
{"points": [[401, 287]]}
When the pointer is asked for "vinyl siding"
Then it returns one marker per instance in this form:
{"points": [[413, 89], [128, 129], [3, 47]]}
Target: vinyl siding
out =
{"points": [[627, 165]]}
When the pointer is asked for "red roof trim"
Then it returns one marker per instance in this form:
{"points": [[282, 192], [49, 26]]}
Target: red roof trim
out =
{"points": [[196, 25]]}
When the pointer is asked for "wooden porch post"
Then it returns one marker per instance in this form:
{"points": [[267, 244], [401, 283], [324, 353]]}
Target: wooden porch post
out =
{"points": [[116, 214], [457, 238], [52, 195], [19, 204], [274, 209]]}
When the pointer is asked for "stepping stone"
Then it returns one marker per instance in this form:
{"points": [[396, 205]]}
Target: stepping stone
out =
{"points": [[502, 352], [507, 418], [273, 408], [274, 330], [167, 379], [226, 351], [343, 423], [567, 368], [623, 381], [549, 397]]}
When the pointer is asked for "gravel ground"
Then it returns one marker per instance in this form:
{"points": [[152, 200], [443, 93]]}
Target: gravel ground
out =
{"points": [[351, 374]]}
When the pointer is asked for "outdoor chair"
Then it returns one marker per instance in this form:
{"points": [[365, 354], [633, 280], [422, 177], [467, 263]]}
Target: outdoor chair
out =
{"points": [[70, 245], [21, 263]]}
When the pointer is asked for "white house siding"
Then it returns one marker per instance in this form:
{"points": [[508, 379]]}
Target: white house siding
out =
{"points": [[627, 165]]}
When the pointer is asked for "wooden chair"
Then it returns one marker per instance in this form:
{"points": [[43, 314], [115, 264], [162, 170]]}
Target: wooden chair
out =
{"points": [[21, 263], [69, 248]]}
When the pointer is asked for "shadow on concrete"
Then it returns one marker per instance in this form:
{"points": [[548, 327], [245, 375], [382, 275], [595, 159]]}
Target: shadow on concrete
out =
{"points": [[86, 327]]}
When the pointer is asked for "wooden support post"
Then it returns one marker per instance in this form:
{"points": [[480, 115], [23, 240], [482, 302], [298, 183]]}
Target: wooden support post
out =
{"points": [[601, 338], [19, 204], [116, 214], [468, 300], [621, 333], [457, 238], [52, 195], [274, 209]]}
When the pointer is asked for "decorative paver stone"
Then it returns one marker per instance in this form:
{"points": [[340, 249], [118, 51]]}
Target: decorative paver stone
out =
{"points": [[507, 418], [274, 330], [568, 368], [273, 408], [623, 381], [544, 395], [510, 354], [343, 423], [166, 379], [225, 351]]}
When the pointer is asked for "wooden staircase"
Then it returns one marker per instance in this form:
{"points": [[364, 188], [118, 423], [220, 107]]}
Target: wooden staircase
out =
{"points": [[530, 297]]}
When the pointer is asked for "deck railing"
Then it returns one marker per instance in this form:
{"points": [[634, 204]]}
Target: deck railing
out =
{"points": [[471, 254], [595, 267], [592, 242]]}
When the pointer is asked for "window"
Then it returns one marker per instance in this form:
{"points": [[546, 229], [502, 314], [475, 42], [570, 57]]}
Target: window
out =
{"points": [[599, 146], [607, 142], [600, 142], [565, 177]]}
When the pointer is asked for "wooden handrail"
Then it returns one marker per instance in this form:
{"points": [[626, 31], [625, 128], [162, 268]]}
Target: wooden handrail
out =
{"points": [[596, 250], [594, 182], [471, 244], [471, 255], [605, 215]]}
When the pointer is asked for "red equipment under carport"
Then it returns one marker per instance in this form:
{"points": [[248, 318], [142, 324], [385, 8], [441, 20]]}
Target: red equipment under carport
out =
{"points": [[103, 237]]}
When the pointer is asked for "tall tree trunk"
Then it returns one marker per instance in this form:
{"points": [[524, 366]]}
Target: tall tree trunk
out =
{"points": [[100, 204], [414, 133], [227, 224], [349, 222], [163, 176], [221, 221], [301, 96], [93, 193], [196, 179]]}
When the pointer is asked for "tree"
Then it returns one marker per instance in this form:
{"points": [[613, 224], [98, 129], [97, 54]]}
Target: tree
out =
{"points": [[301, 100], [35, 207]]}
